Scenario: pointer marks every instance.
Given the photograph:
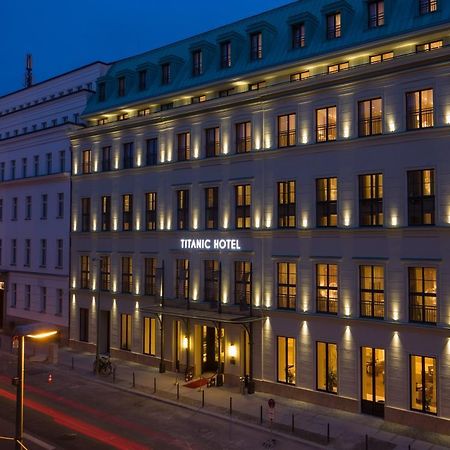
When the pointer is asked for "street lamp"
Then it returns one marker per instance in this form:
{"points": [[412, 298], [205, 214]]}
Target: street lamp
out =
{"points": [[37, 331]]}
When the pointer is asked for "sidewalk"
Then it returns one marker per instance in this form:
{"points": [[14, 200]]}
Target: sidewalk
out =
{"points": [[347, 430]]}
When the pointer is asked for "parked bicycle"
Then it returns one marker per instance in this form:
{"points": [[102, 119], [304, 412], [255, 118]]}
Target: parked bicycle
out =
{"points": [[103, 365]]}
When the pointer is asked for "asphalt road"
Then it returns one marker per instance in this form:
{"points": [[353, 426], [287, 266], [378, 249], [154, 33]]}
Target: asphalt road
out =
{"points": [[77, 414]]}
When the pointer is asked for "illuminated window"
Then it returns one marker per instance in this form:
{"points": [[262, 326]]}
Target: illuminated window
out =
{"points": [[198, 99], [421, 200], [225, 54], [326, 124], [121, 86], [211, 208], [243, 137], [327, 374], [85, 214], [84, 272], [183, 218], [127, 212], [326, 202], [286, 285], [144, 112], [128, 155], [242, 283], [123, 116], [150, 276], [86, 164], [197, 63], [105, 273], [286, 360], [256, 46], [428, 6], [212, 142], [334, 25], [149, 336], [150, 210], [84, 324], [226, 92], [298, 35], [370, 117], [371, 284], [125, 332], [300, 76], [257, 86], [286, 204], [166, 76], [287, 130], [423, 384], [151, 154], [338, 67], [212, 277], [372, 381], [182, 279], [429, 46], [419, 108], [243, 201], [127, 275], [142, 80], [374, 59], [376, 14], [106, 159], [327, 288], [371, 200], [106, 213], [184, 146], [422, 295]]}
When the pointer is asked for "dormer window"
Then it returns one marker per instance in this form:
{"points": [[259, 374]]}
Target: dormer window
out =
{"points": [[165, 73], [376, 14], [121, 86], [334, 25], [142, 80], [428, 6], [298, 35], [101, 92], [197, 63], [256, 46], [225, 54]]}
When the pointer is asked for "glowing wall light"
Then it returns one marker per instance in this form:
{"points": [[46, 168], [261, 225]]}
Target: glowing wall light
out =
{"points": [[305, 221], [115, 223], [268, 219], [304, 137], [391, 126], [394, 219], [257, 219], [74, 225], [347, 219], [195, 219], [226, 219], [257, 141]]}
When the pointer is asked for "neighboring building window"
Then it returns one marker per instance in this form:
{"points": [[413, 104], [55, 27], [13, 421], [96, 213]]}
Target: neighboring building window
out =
{"points": [[106, 159], [419, 109], [125, 332], [150, 211], [334, 68], [43, 252], [85, 214], [370, 117], [36, 165], [182, 279], [84, 272], [226, 92], [62, 161], [428, 6], [123, 116], [243, 202], [212, 208], [326, 202], [13, 295], [1, 209], [28, 207], [327, 288], [287, 130], [429, 46], [13, 169], [59, 253], [422, 295], [334, 25], [421, 201], [27, 253], [60, 208], [225, 54], [197, 63], [212, 277], [256, 46], [243, 137], [14, 251], [286, 204], [300, 76], [106, 212], [43, 299], [14, 208], [166, 106], [152, 152], [212, 141], [184, 146], [59, 302], [149, 336], [374, 59], [150, 276], [128, 155], [84, 324], [144, 112], [165, 73], [105, 273], [242, 283], [376, 14], [371, 200], [142, 80], [423, 384], [198, 99], [286, 360], [298, 35], [326, 124], [286, 285], [86, 167], [27, 296], [127, 212], [371, 283], [49, 163], [327, 375], [24, 167], [257, 86], [183, 209], [127, 274], [2, 171], [101, 92], [121, 86]]}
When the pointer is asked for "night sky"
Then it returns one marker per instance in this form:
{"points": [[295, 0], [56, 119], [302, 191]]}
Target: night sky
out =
{"points": [[63, 35]]}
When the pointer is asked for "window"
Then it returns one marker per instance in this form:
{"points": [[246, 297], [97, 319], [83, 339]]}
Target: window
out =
{"points": [[243, 137], [198, 99], [60, 207], [14, 208], [334, 25], [105, 273], [101, 91], [151, 152], [429, 46], [373, 373], [226, 92], [326, 124], [419, 109], [326, 202], [197, 63], [86, 167], [149, 335], [298, 35], [286, 204], [28, 207], [327, 288], [127, 212], [243, 202], [43, 299], [243, 283], [84, 272], [421, 202], [183, 209], [85, 214], [13, 169], [36, 165], [371, 200], [182, 279], [14, 251], [212, 208], [166, 106], [128, 155], [287, 130], [300, 76], [225, 54], [184, 146], [106, 159], [62, 161], [105, 206], [428, 6], [150, 211], [1, 210], [142, 80], [165, 73], [286, 360], [286, 285], [49, 164], [212, 276], [144, 112], [257, 86], [212, 141], [2, 171], [370, 117], [24, 167], [371, 284], [376, 14], [127, 275], [150, 276], [27, 258], [422, 295], [338, 67], [43, 252], [59, 253], [423, 384], [256, 46], [121, 86], [327, 375], [27, 296], [13, 295], [125, 332], [59, 302], [84, 324]]}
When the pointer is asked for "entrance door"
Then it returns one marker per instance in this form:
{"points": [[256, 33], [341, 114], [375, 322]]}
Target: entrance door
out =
{"points": [[104, 338], [372, 380], [209, 349], [2, 303]]}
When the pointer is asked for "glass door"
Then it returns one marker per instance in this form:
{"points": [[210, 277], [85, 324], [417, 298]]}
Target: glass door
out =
{"points": [[372, 381]]}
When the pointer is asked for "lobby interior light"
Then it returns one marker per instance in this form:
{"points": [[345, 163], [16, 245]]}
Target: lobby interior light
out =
{"points": [[232, 352], [185, 342]]}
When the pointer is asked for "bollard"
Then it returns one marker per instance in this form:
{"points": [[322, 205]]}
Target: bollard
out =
{"points": [[73, 363], [231, 406], [134, 380], [203, 398], [261, 414], [154, 385], [293, 423], [328, 433], [367, 442], [178, 391], [114, 374]]}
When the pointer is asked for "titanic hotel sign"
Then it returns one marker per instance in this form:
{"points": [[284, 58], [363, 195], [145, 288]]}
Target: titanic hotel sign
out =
{"points": [[210, 244]]}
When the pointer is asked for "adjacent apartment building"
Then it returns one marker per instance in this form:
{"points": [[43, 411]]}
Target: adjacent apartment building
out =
{"points": [[271, 199], [35, 160]]}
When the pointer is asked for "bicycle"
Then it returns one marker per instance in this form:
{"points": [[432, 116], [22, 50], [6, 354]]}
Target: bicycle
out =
{"points": [[103, 365]]}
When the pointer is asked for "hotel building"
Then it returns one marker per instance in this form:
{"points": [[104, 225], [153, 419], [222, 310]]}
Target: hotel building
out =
{"points": [[270, 199]]}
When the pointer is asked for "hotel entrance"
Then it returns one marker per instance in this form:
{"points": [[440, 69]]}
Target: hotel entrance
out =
{"points": [[372, 380], [209, 349]]}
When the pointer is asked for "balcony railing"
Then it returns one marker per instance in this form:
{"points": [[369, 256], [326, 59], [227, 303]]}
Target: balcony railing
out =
{"points": [[286, 138], [421, 313], [286, 301], [370, 127], [334, 32], [327, 305], [420, 119], [372, 309], [243, 145], [326, 133]]}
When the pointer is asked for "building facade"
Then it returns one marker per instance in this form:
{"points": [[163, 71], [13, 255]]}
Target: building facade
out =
{"points": [[270, 200], [35, 161]]}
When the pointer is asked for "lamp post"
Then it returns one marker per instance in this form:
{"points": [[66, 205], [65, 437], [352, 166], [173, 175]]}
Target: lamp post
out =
{"points": [[33, 331]]}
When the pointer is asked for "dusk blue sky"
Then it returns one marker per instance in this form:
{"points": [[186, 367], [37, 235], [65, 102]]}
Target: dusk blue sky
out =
{"points": [[64, 35]]}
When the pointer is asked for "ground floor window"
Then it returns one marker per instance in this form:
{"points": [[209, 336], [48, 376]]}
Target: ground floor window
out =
{"points": [[423, 384], [373, 380], [327, 374], [125, 331], [84, 324], [149, 336], [286, 360]]}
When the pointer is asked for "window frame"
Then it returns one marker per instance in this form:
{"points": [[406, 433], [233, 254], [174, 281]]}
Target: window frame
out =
{"points": [[331, 303], [290, 302]]}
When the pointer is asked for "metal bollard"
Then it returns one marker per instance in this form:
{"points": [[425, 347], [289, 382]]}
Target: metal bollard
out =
{"points": [[134, 380], [203, 398], [293, 423], [328, 433], [261, 414], [178, 391], [154, 385], [231, 406]]}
